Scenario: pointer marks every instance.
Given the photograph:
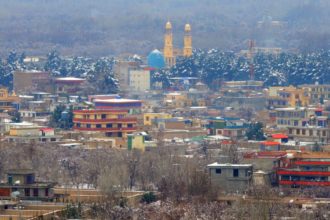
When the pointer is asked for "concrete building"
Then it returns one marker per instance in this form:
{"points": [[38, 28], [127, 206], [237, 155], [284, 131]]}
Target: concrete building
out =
{"points": [[8, 102], [28, 81], [318, 93], [31, 133], [231, 177], [228, 127], [291, 96], [139, 80], [149, 118], [22, 184], [121, 72], [112, 122], [301, 169]]}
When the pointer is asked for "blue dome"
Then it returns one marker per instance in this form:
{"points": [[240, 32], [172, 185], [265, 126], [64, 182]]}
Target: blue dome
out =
{"points": [[156, 59]]}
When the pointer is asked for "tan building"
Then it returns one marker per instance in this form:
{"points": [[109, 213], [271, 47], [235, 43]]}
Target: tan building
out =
{"points": [[177, 100], [121, 71], [149, 118], [317, 93], [139, 80], [7, 101], [288, 97]]}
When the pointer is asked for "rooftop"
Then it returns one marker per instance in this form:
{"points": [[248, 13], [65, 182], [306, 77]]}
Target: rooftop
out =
{"points": [[228, 165], [116, 100]]}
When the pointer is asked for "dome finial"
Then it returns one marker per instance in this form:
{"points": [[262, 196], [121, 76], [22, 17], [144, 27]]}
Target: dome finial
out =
{"points": [[168, 25]]}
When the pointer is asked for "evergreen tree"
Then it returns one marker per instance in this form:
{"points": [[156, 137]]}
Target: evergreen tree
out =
{"points": [[255, 132]]}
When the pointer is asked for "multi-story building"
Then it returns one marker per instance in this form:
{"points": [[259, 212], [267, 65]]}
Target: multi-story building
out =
{"points": [[229, 127], [231, 177], [27, 81], [22, 184], [317, 93], [139, 80], [30, 133], [149, 118], [177, 100], [305, 169], [287, 97], [8, 102], [304, 124], [298, 116], [113, 122]]}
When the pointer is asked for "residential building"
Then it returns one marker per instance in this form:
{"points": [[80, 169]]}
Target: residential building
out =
{"points": [[231, 177], [287, 97], [300, 169], [21, 183], [137, 140], [149, 118], [177, 100], [139, 80], [318, 93], [229, 127], [31, 133], [8, 102], [112, 122]]}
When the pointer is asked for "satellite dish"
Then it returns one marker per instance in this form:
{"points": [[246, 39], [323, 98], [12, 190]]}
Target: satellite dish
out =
{"points": [[15, 194]]}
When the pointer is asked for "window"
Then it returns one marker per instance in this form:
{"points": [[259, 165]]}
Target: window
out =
{"points": [[35, 192], [147, 118], [235, 172], [130, 125], [298, 131], [98, 126], [324, 133], [46, 192], [218, 171], [303, 132], [119, 125], [310, 132], [88, 125], [27, 192], [109, 125], [78, 125], [103, 116]]}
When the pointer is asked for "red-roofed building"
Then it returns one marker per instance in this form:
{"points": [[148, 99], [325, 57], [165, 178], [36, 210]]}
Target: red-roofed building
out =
{"points": [[270, 146], [282, 138]]}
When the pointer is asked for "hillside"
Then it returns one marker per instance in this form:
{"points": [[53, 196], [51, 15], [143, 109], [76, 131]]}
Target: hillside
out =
{"points": [[111, 27]]}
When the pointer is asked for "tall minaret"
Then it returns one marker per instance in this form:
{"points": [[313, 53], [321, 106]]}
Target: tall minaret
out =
{"points": [[187, 41], [168, 46]]}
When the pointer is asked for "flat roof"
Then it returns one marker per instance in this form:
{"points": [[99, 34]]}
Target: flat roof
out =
{"points": [[228, 165], [116, 100]]}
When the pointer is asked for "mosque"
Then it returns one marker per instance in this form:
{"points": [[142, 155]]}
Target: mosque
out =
{"points": [[156, 59]]}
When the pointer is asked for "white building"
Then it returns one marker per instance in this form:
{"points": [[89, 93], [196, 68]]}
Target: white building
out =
{"points": [[139, 80]]}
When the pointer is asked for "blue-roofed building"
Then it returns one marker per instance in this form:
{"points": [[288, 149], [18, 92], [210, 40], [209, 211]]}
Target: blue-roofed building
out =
{"points": [[156, 59]]}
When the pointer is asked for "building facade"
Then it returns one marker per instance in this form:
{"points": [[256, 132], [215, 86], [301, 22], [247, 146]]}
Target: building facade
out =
{"points": [[139, 80], [305, 169], [8, 102], [114, 123], [231, 177]]}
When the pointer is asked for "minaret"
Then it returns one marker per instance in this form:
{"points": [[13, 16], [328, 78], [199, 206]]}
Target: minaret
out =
{"points": [[187, 41], [168, 46]]}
